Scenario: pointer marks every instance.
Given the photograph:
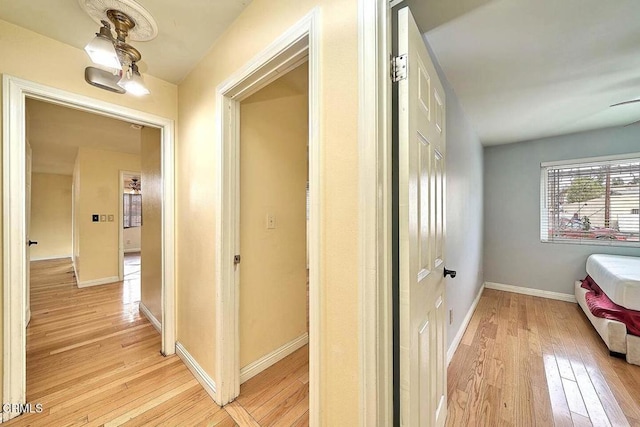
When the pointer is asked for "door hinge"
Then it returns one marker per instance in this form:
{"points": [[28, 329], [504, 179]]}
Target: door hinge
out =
{"points": [[398, 68], [236, 259]]}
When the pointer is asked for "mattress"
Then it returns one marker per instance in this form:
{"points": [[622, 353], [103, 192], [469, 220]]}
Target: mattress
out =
{"points": [[618, 277], [612, 332]]}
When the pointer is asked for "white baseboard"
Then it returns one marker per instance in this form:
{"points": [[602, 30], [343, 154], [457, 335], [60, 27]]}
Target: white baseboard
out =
{"points": [[147, 313], [463, 327], [47, 258], [205, 380], [254, 368], [96, 282], [531, 291], [130, 250]]}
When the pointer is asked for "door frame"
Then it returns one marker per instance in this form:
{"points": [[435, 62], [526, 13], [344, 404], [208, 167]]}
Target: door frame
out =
{"points": [[375, 211], [14, 94], [290, 50], [122, 175]]}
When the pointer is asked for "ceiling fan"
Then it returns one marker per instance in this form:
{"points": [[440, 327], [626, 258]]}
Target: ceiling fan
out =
{"points": [[631, 101]]}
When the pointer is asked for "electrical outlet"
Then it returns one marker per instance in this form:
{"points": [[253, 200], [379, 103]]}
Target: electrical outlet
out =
{"points": [[103, 218], [271, 221], [451, 316]]}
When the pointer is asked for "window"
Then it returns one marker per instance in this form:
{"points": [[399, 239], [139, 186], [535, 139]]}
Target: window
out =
{"points": [[132, 207], [591, 201]]}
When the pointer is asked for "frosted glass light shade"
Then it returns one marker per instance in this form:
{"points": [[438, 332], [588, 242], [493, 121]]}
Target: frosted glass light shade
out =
{"points": [[132, 82], [102, 52]]}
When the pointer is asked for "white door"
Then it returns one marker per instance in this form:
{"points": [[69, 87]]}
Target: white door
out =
{"points": [[421, 112], [27, 211]]}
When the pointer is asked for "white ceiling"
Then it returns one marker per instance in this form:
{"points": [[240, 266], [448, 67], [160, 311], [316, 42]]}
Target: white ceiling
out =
{"points": [[56, 132], [525, 69], [186, 30]]}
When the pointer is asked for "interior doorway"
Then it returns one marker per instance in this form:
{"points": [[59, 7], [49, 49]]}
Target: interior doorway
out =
{"points": [[299, 45], [273, 200], [130, 234], [15, 95], [66, 147]]}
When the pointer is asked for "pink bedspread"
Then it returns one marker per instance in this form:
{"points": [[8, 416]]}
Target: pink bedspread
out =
{"points": [[601, 306]]}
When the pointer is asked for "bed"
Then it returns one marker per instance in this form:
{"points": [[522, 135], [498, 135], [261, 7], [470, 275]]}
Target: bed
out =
{"points": [[619, 278]]}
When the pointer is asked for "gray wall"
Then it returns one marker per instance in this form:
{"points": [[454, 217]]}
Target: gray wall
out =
{"points": [[513, 253], [464, 210]]}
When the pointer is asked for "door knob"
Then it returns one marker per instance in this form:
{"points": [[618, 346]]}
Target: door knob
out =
{"points": [[451, 273], [32, 243]]}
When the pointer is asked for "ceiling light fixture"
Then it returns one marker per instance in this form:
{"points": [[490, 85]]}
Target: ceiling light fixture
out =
{"points": [[101, 49], [132, 82], [129, 21]]}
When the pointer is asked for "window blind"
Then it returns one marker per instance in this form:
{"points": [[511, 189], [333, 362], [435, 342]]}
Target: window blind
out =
{"points": [[595, 201], [132, 207]]}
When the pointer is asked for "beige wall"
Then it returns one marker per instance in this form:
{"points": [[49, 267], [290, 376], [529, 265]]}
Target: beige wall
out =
{"points": [[151, 230], [131, 239], [50, 216], [100, 193], [273, 173], [259, 24], [33, 57]]}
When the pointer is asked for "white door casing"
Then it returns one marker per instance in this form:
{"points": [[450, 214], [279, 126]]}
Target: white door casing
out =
{"points": [[421, 113]]}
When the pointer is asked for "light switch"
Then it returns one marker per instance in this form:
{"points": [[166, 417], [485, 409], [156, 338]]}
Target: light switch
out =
{"points": [[110, 218], [103, 218], [271, 221], [95, 217]]}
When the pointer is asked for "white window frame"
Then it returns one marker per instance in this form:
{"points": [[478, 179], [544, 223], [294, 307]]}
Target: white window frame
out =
{"points": [[544, 220]]}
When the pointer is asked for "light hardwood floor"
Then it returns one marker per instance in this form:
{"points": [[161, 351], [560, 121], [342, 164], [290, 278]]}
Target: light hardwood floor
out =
{"points": [[93, 359], [532, 361]]}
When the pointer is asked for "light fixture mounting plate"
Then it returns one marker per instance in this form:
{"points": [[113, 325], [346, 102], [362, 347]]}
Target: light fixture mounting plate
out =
{"points": [[145, 28]]}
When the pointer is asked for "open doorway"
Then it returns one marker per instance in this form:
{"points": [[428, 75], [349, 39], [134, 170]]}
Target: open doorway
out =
{"points": [[83, 174], [130, 235], [93, 212], [273, 273], [296, 47]]}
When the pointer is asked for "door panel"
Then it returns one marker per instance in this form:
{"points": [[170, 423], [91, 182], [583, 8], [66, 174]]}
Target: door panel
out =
{"points": [[421, 196]]}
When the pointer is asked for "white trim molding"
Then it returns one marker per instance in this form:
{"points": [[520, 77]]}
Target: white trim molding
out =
{"points": [[149, 315], [268, 360], [132, 250], [203, 378], [463, 327], [374, 136], [530, 291], [298, 44], [14, 94], [97, 282]]}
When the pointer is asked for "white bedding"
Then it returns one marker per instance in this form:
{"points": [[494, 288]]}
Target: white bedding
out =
{"points": [[618, 276]]}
